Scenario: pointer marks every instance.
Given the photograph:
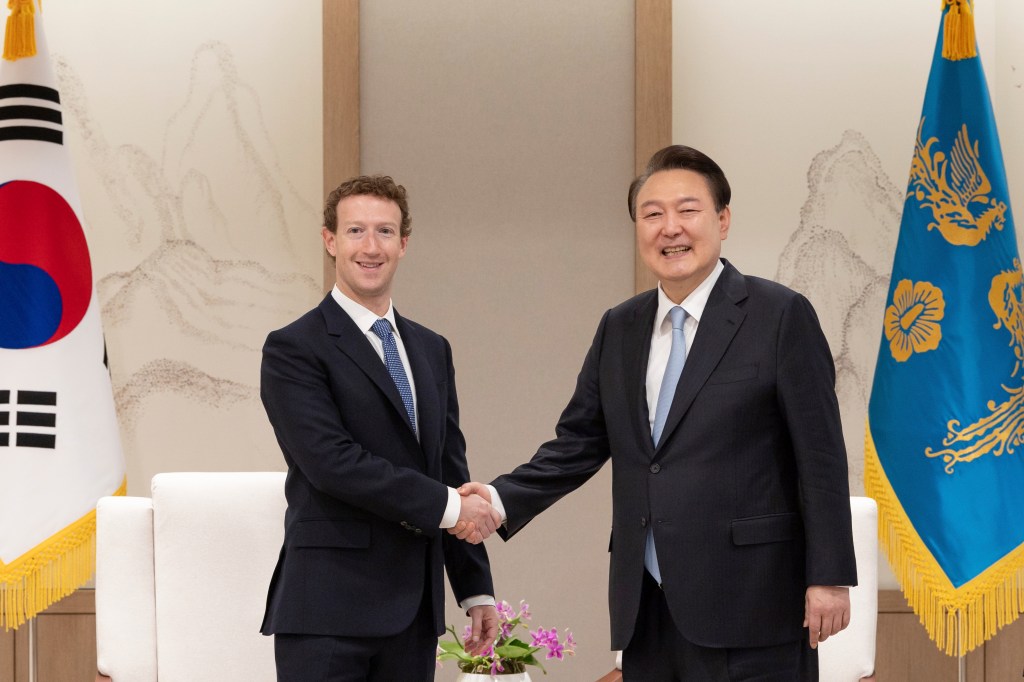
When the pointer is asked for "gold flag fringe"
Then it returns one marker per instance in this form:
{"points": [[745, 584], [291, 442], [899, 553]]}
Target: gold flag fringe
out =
{"points": [[20, 36], [50, 571], [986, 604], [958, 31]]}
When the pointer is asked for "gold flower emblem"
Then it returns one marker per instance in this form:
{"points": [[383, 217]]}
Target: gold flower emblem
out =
{"points": [[912, 321]]}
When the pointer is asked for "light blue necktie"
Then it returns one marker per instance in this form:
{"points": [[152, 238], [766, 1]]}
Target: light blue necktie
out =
{"points": [[382, 328], [674, 368]]}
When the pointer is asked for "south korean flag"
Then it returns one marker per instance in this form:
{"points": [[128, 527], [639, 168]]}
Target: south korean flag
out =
{"points": [[60, 449]]}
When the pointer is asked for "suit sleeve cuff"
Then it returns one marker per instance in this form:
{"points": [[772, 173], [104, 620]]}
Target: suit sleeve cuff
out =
{"points": [[497, 503], [478, 600], [451, 510]]}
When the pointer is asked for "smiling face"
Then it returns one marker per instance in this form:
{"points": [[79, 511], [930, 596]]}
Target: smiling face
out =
{"points": [[679, 232], [367, 247]]}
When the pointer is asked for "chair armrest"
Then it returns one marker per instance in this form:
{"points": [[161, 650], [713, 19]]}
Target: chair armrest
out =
{"points": [[125, 592], [614, 676]]}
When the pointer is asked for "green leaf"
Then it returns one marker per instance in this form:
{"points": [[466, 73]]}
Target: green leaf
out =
{"points": [[515, 651], [452, 647], [530, 660]]}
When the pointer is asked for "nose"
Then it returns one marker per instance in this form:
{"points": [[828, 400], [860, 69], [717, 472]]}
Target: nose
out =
{"points": [[673, 225], [371, 244]]}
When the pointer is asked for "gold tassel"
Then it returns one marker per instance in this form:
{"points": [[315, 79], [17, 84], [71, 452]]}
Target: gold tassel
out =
{"points": [[20, 38], [958, 31], [50, 571], [984, 605]]}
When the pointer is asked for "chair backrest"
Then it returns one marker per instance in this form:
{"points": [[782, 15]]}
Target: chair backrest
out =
{"points": [[216, 538], [850, 655], [213, 542]]}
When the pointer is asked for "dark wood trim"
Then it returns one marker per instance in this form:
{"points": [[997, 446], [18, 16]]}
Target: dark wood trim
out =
{"points": [[652, 96]]}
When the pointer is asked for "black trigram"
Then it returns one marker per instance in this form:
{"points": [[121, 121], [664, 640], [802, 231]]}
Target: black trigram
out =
{"points": [[30, 112], [28, 411]]}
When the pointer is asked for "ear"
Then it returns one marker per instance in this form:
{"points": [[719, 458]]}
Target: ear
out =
{"points": [[724, 220], [330, 242], [405, 241]]}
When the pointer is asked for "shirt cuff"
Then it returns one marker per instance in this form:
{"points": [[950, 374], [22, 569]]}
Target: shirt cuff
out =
{"points": [[451, 510], [478, 600], [497, 504]]}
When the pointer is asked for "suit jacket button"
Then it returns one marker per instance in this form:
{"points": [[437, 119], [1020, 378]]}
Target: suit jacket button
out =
{"points": [[655, 468], [643, 521]]}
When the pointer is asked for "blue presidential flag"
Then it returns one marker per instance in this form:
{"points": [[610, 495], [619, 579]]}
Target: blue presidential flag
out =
{"points": [[60, 450], [943, 453]]}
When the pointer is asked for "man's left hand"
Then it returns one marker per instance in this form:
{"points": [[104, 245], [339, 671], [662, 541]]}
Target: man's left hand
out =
{"points": [[484, 629], [826, 612]]}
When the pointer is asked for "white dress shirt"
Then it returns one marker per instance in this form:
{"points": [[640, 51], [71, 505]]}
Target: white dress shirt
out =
{"points": [[364, 319], [661, 338]]}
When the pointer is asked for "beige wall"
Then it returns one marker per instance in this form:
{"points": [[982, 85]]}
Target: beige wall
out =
{"points": [[195, 130], [511, 125], [812, 110]]}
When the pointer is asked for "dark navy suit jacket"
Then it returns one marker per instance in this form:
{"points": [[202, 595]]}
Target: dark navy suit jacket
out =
{"points": [[747, 491], [365, 497]]}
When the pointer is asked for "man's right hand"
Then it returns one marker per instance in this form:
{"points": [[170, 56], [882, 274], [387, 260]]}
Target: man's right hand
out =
{"points": [[477, 518], [475, 488]]}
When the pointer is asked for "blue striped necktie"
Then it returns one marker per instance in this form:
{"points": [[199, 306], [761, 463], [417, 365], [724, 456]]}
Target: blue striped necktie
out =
{"points": [[382, 328], [674, 368]]}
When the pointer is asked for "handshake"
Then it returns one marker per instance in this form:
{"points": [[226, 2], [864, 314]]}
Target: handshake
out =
{"points": [[477, 518]]}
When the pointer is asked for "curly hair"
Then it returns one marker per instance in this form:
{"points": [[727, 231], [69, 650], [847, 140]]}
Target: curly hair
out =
{"points": [[373, 185]]}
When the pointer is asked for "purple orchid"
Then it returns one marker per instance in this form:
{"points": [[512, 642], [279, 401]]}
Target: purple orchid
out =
{"points": [[508, 620]]}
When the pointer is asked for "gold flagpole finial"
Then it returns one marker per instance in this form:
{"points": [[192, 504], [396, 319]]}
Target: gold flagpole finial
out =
{"points": [[958, 31], [20, 39]]}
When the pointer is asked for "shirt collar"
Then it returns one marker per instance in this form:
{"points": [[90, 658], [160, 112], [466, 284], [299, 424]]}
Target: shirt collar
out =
{"points": [[693, 304], [362, 316]]}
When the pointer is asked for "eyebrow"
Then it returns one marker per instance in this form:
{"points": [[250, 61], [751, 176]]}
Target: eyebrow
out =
{"points": [[363, 223], [681, 200]]}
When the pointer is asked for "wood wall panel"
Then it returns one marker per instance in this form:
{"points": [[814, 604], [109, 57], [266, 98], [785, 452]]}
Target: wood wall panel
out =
{"points": [[905, 653], [21, 655], [66, 640], [65, 648], [341, 100], [6, 655], [653, 97], [1004, 653]]}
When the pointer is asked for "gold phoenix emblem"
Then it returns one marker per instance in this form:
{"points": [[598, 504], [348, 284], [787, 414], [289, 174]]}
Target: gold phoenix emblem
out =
{"points": [[956, 190], [1003, 429], [912, 321]]}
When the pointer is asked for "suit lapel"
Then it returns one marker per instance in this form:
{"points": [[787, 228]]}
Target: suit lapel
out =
{"points": [[718, 325], [353, 342], [637, 342]]}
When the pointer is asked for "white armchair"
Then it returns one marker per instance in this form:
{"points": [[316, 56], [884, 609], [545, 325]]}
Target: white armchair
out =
{"points": [[850, 655], [181, 578]]}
